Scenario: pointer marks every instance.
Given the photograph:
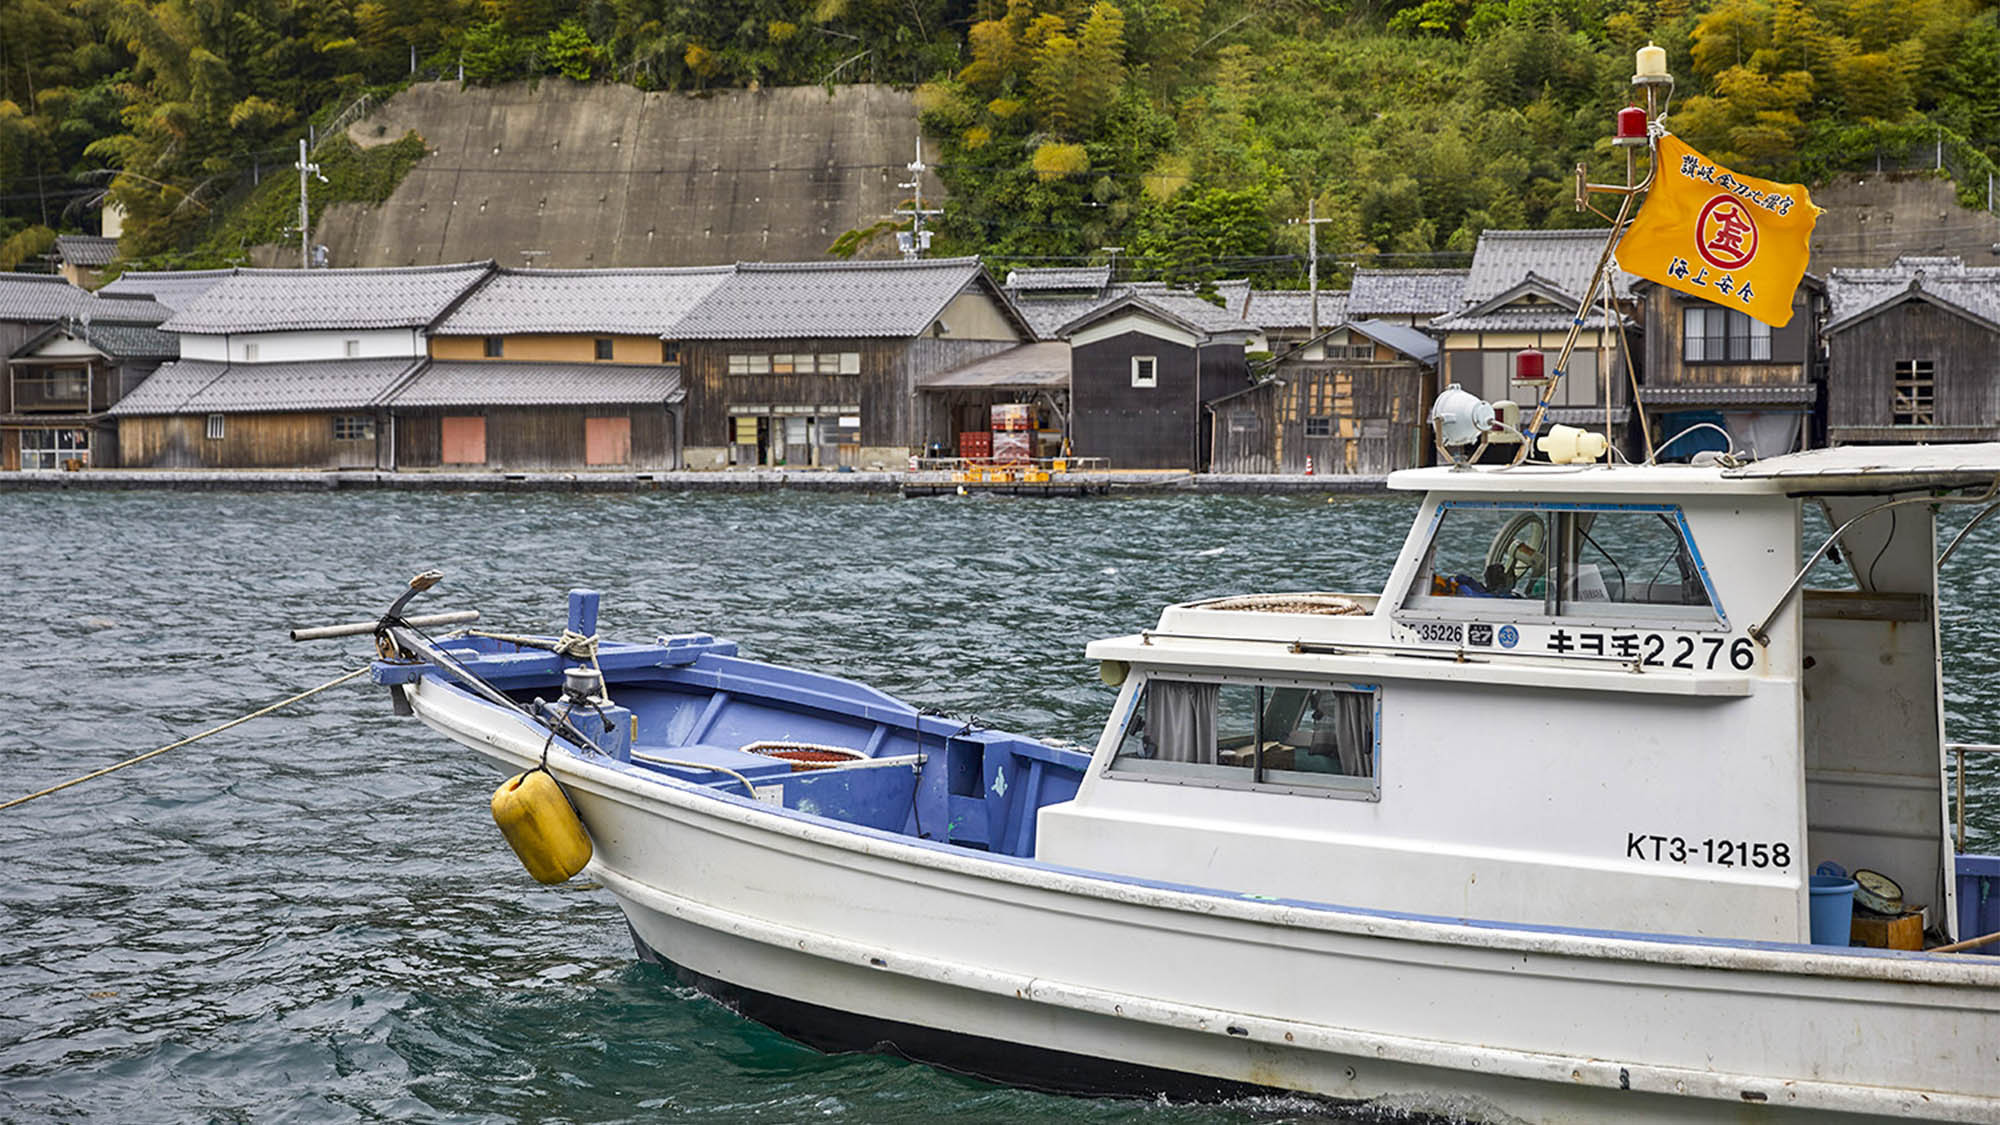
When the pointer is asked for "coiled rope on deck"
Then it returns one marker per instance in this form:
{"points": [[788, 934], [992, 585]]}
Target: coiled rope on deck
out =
{"points": [[239, 721]]}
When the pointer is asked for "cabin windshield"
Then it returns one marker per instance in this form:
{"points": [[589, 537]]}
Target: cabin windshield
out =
{"points": [[1628, 561]]}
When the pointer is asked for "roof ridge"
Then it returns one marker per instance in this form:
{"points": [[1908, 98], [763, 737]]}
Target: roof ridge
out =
{"points": [[350, 271], [607, 271], [870, 264]]}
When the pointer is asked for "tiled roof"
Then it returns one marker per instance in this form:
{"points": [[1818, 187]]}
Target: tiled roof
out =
{"points": [[1854, 292], [1047, 317], [1233, 292], [1410, 341], [195, 386], [1564, 257], [645, 302], [38, 298], [86, 249], [125, 308], [1094, 278], [1517, 318], [1041, 364], [294, 300], [1178, 307], [491, 383], [829, 299], [118, 341], [1278, 309], [172, 288], [1405, 292]]}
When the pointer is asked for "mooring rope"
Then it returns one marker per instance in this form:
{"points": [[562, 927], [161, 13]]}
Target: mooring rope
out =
{"points": [[257, 714]]}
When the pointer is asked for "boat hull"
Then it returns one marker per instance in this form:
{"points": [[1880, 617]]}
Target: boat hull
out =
{"points": [[796, 917]]}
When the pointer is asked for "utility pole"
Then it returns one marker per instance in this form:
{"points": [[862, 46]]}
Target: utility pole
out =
{"points": [[306, 168], [916, 240], [1112, 277], [1311, 224]]}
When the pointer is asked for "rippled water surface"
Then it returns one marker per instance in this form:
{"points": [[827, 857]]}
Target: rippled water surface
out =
{"points": [[312, 918]]}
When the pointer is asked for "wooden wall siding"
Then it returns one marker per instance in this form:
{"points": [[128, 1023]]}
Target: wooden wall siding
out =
{"points": [[249, 441], [1245, 432], [1375, 412], [1966, 367], [527, 347], [1135, 427], [712, 390], [925, 356], [534, 439], [1791, 346]]}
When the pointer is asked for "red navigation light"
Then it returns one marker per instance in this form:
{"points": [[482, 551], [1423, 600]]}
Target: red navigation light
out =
{"points": [[1631, 124], [1528, 367]]}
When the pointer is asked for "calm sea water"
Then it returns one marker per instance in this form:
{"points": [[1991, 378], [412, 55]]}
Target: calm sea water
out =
{"points": [[312, 917]]}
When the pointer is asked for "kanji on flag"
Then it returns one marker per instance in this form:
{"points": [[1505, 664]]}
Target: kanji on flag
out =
{"points": [[1736, 241]]}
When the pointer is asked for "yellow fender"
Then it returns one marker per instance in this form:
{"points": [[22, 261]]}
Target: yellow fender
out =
{"points": [[535, 816]]}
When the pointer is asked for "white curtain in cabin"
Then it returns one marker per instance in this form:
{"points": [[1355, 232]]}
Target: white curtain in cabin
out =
{"points": [[1180, 718], [1763, 433]]}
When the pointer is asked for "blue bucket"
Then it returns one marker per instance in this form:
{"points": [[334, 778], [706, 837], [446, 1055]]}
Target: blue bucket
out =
{"points": [[1832, 910]]}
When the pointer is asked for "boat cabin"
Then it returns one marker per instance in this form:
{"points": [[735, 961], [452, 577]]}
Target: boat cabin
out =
{"points": [[1600, 697]]}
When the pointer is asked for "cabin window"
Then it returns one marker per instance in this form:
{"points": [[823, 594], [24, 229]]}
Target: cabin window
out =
{"points": [[1145, 371], [602, 347], [1319, 427], [1914, 395], [215, 427], [353, 427], [1712, 335], [494, 347], [1289, 736], [1595, 561]]}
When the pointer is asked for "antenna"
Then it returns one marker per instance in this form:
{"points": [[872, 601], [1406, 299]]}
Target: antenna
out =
{"points": [[916, 240]]}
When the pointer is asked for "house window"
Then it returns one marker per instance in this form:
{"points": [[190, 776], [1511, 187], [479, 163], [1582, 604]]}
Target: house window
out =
{"points": [[1510, 563], [61, 388], [48, 449], [1712, 335], [493, 347], [749, 365], [249, 353], [603, 346], [1914, 398], [1336, 351], [670, 352], [850, 363], [353, 427], [353, 348], [215, 427], [782, 364], [1319, 427], [1290, 736], [1145, 371]]}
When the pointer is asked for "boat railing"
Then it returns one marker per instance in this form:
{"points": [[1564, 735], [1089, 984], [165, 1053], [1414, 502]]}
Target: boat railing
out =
{"points": [[1958, 751]]}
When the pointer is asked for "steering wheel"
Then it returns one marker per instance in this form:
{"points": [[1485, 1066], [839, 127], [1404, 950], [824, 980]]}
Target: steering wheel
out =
{"points": [[1519, 551]]}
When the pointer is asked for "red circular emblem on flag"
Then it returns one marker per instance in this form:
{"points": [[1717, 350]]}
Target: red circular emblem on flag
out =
{"points": [[1725, 234]]}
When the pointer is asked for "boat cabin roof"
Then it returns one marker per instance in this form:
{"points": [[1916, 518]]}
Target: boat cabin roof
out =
{"points": [[1846, 469]]}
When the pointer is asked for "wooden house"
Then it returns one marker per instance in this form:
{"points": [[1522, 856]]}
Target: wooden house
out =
{"points": [[1707, 363], [1521, 294], [68, 357], [81, 258], [1352, 408], [1142, 370], [554, 369], [1913, 353], [289, 368], [819, 363]]}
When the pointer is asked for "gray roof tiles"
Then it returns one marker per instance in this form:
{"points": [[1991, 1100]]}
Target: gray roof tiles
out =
{"points": [[86, 249], [172, 288], [1095, 278], [38, 298], [193, 386], [830, 300], [1565, 258], [1405, 292], [1853, 292], [493, 383], [1410, 341], [1280, 309], [646, 302], [1044, 363], [296, 300]]}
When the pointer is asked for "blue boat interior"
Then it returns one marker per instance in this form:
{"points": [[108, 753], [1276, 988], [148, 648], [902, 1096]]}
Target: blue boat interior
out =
{"points": [[688, 707]]}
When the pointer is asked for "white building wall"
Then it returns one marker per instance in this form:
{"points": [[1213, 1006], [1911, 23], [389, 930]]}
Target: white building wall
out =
{"points": [[291, 347]]}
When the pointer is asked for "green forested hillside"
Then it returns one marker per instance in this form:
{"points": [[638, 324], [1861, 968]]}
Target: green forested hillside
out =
{"points": [[1185, 132]]}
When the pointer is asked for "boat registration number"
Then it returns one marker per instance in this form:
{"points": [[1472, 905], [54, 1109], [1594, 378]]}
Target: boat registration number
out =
{"points": [[1689, 652], [1722, 853]]}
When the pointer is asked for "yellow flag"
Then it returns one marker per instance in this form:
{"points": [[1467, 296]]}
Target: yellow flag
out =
{"points": [[1736, 241]]}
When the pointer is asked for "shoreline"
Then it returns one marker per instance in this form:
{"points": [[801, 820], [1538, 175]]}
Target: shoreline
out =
{"points": [[334, 480]]}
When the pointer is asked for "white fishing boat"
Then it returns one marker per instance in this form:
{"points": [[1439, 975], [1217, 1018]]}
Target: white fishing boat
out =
{"points": [[1527, 833]]}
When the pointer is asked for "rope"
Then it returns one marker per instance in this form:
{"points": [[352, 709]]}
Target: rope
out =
{"points": [[258, 714]]}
